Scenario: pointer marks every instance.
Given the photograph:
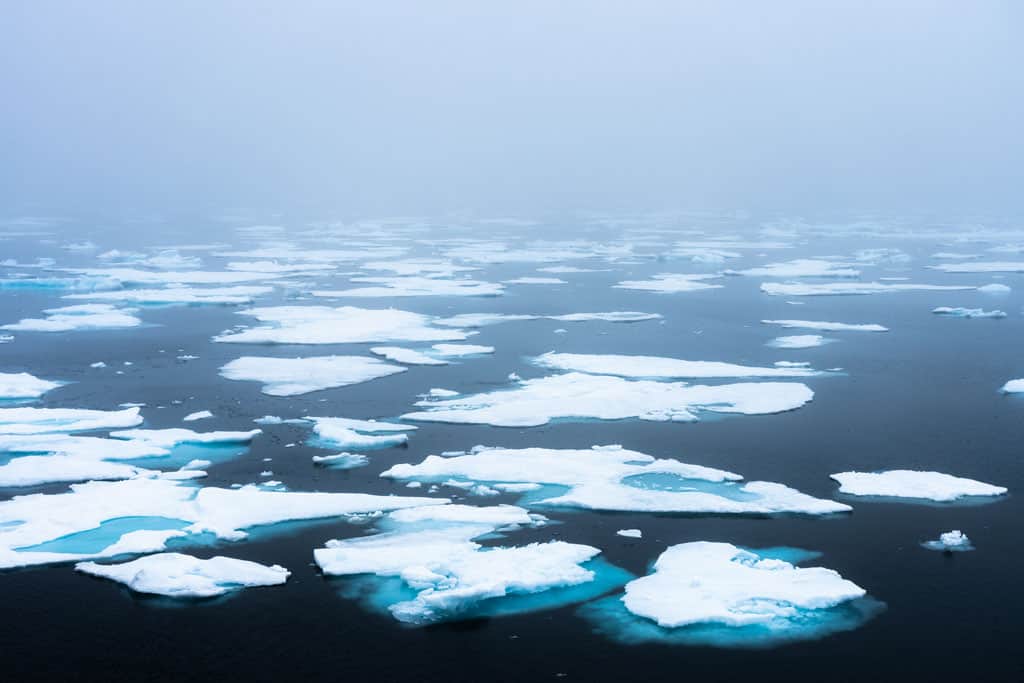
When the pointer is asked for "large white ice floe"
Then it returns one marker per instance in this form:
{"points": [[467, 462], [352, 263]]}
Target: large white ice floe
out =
{"points": [[801, 268], [342, 325], [242, 294], [135, 276], [341, 432], [49, 420], [425, 566], [799, 341], [471, 320], [413, 286], [851, 288], [914, 484], [614, 478], [981, 267], [79, 317], [825, 326], [100, 519], [671, 283], [651, 367], [183, 576], [959, 312], [954, 541], [17, 385], [1014, 386], [579, 396], [294, 376], [169, 438]]}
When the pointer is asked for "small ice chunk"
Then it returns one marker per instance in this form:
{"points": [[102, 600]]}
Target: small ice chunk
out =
{"points": [[799, 341], [959, 312], [341, 461], [950, 542], [1014, 386], [341, 432], [198, 415], [828, 326], [630, 533], [460, 350]]}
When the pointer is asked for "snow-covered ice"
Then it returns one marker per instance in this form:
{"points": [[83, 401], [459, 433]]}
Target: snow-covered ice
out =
{"points": [[406, 356], [342, 325], [579, 396], [954, 541], [198, 415], [913, 484], [802, 268], [959, 312], [49, 420], [658, 367], [851, 288], [827, 326], [78, 317], [614, 478], [630, 533], [184, 576], [294, 376], [1014, 386], [671, 283], [341, 432], [16, 385], [799, 341], [413, 286], [178, 294]]}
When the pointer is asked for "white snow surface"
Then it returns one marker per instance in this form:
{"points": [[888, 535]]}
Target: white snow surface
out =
{"points": [[342, 432], [184, 576], [294, 376], [827, 326], [917, 484], [798, 341], [670, 283], [659, 367], [48, 420], [179, 294], [24, 385], [534, 402], [802, 268], [851, 288], [960, 312], [78, 317], [717, 583]]}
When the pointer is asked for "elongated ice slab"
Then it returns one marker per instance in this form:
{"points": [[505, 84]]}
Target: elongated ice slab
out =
{"points": [[409, 286], [915, 484], [168, 438], [959, 312], [614, 478], [579, 396], [981, 267], [1014, 386], [827, 326], [294, 376], [343, 325], [183, 576], [799, 341], [406, 356], [47, 420], [179, 295], [657, 367], [137, 276], [670, 283], [79, 317], [802, 268], [851, 288], [470, 320], [24, 385]]}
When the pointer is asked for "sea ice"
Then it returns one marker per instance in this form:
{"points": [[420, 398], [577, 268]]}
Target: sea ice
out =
{"points": [[198, 415], [179, 295], [958, 312], [15, 385], [914, 484], [414, 286], [981, 267], [341, 432], [1014, 386], [80, 317], [954, 541], [630, 533], [850, 288], [184, 576], [802, 268], [799, 341], [536, 281], [658, 367], [343, 325], [294, 376], [579, 396], [406, 356], [670, 283], [613, 478], [827, 326], [49, 420]]}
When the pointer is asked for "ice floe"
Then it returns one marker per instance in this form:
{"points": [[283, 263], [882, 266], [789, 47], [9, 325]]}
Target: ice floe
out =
{"points": [[827, 326], [954, 541], [135, 276], [100, 519], [169, 438], [50, 420], [406, 356], [343, 325], [471, 320], [425, 566], [958, 312], [79, 317], [183, 576], [198, 415], [413, 286], [799, 341], [651, 367], [613, 478], [850, 288], [913, 484], [294, 376], [16, 385], [671, 283], [461, 350], [579, 396], [705, 593], [801, 268], [1014, 386], [242, 294], [981, 267], [341, 461], [536, 281], [630, 533], [341, 432]]}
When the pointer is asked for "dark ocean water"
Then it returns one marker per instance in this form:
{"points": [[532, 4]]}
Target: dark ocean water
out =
{"points": [[922, 396]]}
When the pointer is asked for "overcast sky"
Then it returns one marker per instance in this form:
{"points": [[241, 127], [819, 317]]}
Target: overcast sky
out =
{"points": [[521, 107]]}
